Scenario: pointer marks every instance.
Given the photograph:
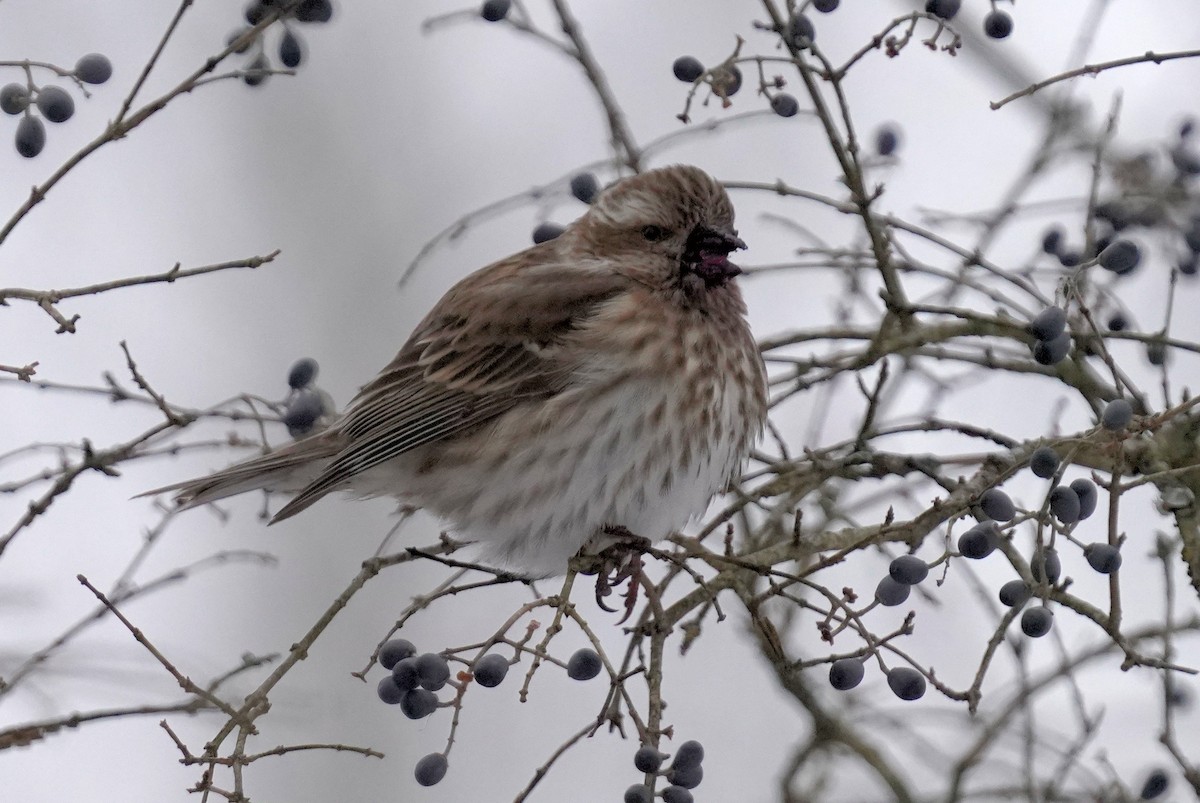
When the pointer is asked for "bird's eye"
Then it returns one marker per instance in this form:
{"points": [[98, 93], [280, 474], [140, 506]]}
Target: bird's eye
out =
{"points": [[654, 233]]}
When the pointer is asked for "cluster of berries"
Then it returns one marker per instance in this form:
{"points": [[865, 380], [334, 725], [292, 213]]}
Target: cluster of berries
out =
{"points": [[52, 102]]}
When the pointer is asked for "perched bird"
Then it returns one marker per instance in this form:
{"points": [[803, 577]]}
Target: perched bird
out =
{"points": [[606, 379]]}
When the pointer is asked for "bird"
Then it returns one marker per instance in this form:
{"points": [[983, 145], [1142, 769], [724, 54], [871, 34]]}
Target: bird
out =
{"points": [[603, 381]]}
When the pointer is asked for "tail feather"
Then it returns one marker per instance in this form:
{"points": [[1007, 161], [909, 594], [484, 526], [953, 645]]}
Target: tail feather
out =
{"points": [[290, 467]]}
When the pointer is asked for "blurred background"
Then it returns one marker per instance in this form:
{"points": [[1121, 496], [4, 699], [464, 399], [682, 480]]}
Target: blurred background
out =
{"points": [[387, 135]]}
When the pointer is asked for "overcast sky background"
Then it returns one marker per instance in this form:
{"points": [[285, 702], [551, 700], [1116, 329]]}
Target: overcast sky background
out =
{"points": [[385, 137]]}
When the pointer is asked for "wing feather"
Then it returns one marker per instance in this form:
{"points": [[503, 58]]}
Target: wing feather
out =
{"points": [[501, 336]]}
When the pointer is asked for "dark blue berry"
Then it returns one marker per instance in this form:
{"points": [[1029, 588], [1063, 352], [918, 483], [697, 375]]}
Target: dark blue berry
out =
{"points": [[1117, 415], [689, 754], [395, 651], [887, 139], [1051, 352], [908, 570], [1121, 257], [431, 769], [388, 691], [1104, 558], [1052, 564], [996, 505], [979, 541], [94, 68], [1036, 622], [785, 105], [800, 31], [13, 98], [55, 104], [302, 373], [31, 136], [1085, 489], [585, 187], [647, 759], [1049, 323], [946, 9], [585, 664], [434, 670], [1043, 462], [490, 670], [906, 683], [547, 231], [418, 703], [1015, 593], [889, 593], [1052, 240], [997, 24], [687, 68], [846, 673], [291, 52], [495, 10]]}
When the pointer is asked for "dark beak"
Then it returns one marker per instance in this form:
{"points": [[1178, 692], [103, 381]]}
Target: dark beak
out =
{"points": [[707, 254]]}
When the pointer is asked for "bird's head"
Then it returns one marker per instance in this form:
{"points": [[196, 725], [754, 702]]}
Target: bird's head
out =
{"points": [[672, 229]]}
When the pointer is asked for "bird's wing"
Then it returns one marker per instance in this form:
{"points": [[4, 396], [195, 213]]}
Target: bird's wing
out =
{"points": [[499, 337]]}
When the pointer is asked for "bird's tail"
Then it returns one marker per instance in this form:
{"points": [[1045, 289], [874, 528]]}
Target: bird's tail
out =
{"points": [[289, 468]]}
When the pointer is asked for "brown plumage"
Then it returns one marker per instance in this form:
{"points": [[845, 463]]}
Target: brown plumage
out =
{"points": [[604, 378]]}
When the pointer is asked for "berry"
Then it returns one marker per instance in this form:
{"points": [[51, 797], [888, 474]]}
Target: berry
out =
{"points": [[647, 759], [1189, 265], [13, 98], [1115, 213], [1085, 489], [314, 11], [94, 68], [301, 375], [547, 231], [1052, 240], [728, 80], [256, 12], [785, 105], [800, 31], [687, 68], [1104, 558], [996, 505], [434, 670], [689, 755], [687, 777], [490, 670], [405, 673], [1051, 352], [255, 74], [431, 769], [825, 6], [585, 664], [1069, 259], [908, 570], [1156, 783], [997, 24], [1049, 323], [1064, 504], [979, 541], [639, 793], [887, 138], [1052, 564], [1117, 415], [1043, 462], [846, 673], [495, 10], [396, 650], [31, 136], [1121, 257], [303, 411], [1156, 352], [291, 52], [1036, 622], [906, 683], [388, 691], [418, 703], [677, 794], [585, 187], [55, 104], [889, 593], [1118, 322], [946, 9], [1015, 593]]}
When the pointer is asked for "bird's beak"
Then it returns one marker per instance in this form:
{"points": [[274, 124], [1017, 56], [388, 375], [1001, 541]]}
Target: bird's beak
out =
{"points": [[707, 254]]}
